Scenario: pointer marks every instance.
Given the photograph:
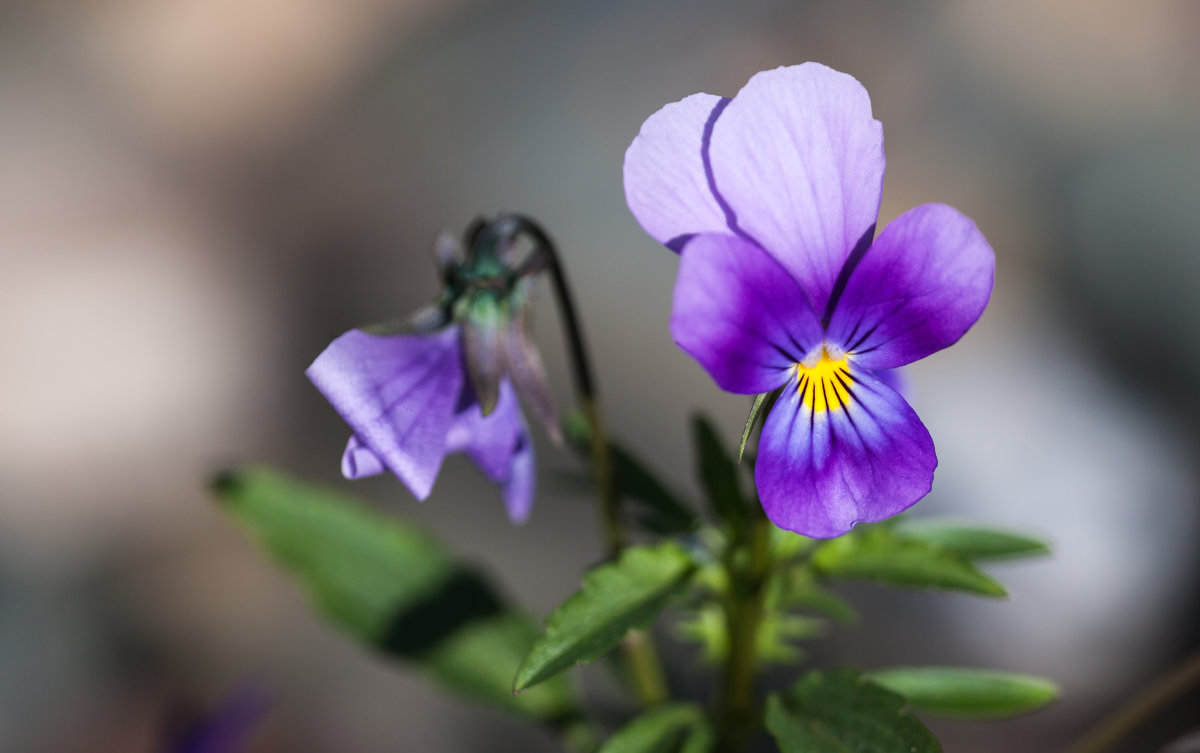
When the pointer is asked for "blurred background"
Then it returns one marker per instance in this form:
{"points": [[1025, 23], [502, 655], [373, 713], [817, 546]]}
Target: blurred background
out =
{"points": [[197, 195]]}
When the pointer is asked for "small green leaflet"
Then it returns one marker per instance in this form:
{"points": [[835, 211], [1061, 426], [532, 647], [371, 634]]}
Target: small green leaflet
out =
{"points": [[974, 542], [393, 587], [840, 711], [669, 729], [966, 692], [797, 588], [882, 554], [615, 598]]}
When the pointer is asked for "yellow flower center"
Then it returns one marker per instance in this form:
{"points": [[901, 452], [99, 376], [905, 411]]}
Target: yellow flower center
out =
{"points": [[826, 384]]}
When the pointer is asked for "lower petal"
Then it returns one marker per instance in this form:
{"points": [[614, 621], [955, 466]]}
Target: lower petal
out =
{"points": [[490, 440], [358, 461], [398, 394], [825, 466], [519, 489]]}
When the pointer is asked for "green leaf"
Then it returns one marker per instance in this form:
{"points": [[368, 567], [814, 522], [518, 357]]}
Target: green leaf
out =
{"points": [[666, 729], [840, 711], [659, 510], [881, 555], [703, 739], [972, 541], [392, 587], [718, 473], [778, 633], [615, 598], [967, 692], [797, 588]]}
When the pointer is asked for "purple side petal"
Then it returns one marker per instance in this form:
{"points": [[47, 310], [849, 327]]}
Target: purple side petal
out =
{"points": [[819, 473], [519, 489], [919, 288], [358, 461], [666, 180], [398, 394], [491, 440], [799, 159], [740, 314]]}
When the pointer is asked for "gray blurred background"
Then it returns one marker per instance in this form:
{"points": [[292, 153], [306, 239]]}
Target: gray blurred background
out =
{"points": [[197, 195]]}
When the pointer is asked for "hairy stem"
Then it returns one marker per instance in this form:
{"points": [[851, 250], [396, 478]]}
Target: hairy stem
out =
{"points": [[1142, 707], [641, 660], [737, 710]]}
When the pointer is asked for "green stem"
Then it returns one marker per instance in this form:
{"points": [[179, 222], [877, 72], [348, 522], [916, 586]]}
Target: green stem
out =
{"points": [[737, 706], [641, 660], [1142, 707]]}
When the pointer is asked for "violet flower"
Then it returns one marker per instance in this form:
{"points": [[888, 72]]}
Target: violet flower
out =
{"points": [[772, 197], [444, 381]]}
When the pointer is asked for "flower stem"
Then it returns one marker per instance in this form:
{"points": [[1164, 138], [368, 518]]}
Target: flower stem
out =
{"points": [[737, 710], [1142, 707], [641, 660]]}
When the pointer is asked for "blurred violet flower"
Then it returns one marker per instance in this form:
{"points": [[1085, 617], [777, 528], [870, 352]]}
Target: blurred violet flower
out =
{"points": [[771, 198], [228, 729], [445, 381]]}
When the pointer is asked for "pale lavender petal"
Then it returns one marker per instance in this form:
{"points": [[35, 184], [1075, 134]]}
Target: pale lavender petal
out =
{"points": [[740, 314], [519, 489], [919, 288], [398, 394], [819, 472], [491, 440], [799, 158], [358, 461], [667, 182]]}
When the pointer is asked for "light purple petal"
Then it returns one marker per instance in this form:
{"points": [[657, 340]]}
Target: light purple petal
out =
{"points": [[398, 394], [740, 314], [519, 489], [491, 440], [358, 461], [799, 159], [667, 182], [820, 472], [919, 288]]}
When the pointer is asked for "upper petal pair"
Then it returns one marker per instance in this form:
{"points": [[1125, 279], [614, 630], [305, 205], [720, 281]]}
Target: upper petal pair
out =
{"points": [[918, 289], [793, 163]]}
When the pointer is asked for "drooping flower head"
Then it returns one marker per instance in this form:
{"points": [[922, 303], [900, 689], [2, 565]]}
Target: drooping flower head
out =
{"points": [[771, 198], [446, 379]]}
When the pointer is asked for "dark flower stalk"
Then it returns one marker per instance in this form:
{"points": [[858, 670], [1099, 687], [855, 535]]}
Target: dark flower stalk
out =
{"points": [[641, 660]]}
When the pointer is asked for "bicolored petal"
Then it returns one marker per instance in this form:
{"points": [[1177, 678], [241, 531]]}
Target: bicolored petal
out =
{"points": [[518, 490], [358, 461], [490, 440], [668, 184], [840, 448], [919, 288], [398, 394], [798, 157], [740, 314]]}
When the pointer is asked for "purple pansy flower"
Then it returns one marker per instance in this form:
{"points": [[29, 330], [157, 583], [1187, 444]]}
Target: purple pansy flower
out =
{"points": [[413, 398], [771, 198]]}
